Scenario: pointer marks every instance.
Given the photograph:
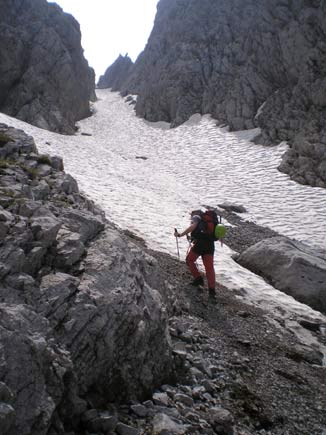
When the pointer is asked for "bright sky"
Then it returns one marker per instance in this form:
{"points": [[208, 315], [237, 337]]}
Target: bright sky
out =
{"points": [[111, 27]]}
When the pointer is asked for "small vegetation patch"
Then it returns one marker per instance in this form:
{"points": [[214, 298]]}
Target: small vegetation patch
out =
{"points": [[4, 139], [31, 172], [5, 163], [44, 159]]}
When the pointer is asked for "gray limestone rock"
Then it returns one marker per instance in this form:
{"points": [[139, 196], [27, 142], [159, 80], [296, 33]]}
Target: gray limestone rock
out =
{"points": [[69, 249], [221, 420], [45, 229], [124, 429], [290, 266], [29, 363], [116, 74], [210, 57], [44, 77], [7, 417], [162, 423]]}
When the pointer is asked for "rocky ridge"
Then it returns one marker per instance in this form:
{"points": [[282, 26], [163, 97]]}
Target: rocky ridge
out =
{"points": [[211, 57], [116, 74], [99, 335], [44, 78]]}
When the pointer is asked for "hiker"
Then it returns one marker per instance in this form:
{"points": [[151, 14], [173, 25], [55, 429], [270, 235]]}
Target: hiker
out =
{"points": [[203, 245]]}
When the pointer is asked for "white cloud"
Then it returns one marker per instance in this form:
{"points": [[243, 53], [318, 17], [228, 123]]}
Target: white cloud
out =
{"points": [[111, 27]]}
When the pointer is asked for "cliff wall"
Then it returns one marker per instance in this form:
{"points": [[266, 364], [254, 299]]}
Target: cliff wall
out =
{"points": [[44, 78]]}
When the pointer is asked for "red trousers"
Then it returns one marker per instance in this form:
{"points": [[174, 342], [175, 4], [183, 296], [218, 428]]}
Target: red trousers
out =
{"points": [[208, 260]]}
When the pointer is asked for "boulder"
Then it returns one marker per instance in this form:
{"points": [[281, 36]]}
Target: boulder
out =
{"points": [[114, 303], [290, 266]]}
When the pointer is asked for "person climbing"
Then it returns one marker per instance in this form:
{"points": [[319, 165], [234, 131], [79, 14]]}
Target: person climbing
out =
{"points": [[203, 246]]}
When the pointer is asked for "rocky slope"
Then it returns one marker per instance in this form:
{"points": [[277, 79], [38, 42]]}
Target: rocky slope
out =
{"points": [[44, 77], [247, 64], [75, 329]]}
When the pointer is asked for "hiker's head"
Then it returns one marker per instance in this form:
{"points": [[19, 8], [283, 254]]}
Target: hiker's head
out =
{"points": [[195, 216]]}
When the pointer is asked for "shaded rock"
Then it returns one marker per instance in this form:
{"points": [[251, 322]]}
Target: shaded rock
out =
{"points": [[22, 343], [290, 266], [13, 258], [56, 295], [84, 223], [123, 429], [116, 74], [233, 207], [67, 184], [162, 423], [7, 417], [45, 229], [139, 410], [221, 420], [44, 77], [5, 393]]}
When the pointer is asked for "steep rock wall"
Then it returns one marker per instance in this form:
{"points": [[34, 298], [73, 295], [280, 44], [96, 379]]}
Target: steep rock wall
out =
{"points": [[44, 77], [83, 309], [248, 64]]}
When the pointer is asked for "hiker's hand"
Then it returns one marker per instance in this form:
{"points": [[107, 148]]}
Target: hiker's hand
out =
{"points": [[176, 234]]}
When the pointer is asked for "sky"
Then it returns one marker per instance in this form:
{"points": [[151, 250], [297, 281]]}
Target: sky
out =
{"points": [[111, 27]]}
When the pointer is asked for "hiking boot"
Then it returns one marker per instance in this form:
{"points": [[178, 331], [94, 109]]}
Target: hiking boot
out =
{"points": [[212, 292], [198, 281]]}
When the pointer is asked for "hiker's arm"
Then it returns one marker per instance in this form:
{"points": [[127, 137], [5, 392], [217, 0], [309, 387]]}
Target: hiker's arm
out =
{"points": [[186, 231]]}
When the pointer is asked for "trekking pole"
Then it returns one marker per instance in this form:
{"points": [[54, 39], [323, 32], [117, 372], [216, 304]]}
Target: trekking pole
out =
{"points": [[176, 239]]}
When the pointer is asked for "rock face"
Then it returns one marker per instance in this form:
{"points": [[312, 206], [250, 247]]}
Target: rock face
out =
{"points": [[248, 65], [44, 77], [81, 306], [290, 266], [116, 74]]}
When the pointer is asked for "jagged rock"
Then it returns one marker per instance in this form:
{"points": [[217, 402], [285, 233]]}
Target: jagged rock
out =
{"points": [[162, 424], [13, 258], [23, 342], [99, 421], [34, 260], [44, 77], [221, 420], [210, 57], [45, 228], [290, 266], [185, 399], [69, 250], [7, 417], [114, 302], [123, 429], [57, 163], [41, 191], [84, 223], [139, 410], [116, 74], [161, 399], [67, 184]]}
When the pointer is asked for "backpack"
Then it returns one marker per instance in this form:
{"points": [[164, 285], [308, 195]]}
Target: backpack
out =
{"points": [[209, 227]]}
